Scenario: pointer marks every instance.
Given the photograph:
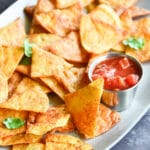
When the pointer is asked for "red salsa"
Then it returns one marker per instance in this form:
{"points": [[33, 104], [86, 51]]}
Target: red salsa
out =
{"points": [[119, 73]]}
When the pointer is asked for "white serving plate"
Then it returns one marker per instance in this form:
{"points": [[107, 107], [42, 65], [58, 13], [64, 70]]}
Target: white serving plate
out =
{"points": [[129, 117]]}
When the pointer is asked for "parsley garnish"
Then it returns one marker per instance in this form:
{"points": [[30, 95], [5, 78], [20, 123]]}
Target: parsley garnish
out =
{"points": [[27, 48]]}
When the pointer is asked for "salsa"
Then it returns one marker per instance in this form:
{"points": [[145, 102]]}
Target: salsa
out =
{"points": [[119, 73]]}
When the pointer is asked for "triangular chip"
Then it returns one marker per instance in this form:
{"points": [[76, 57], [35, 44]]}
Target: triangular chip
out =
{"points": [[53, 21], [63, 142], [68, 47], [13, 34], [27, 96], [55, 86], [7, 113], [84, 107], [13, 82], [12, 57], [32, 146], [3, 87], [55, 117], [46, 64], [98, 36], [64, 4], [22, 138]]}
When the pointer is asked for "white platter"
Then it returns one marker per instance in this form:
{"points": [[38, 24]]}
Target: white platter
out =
{"points": [[129, 117]]}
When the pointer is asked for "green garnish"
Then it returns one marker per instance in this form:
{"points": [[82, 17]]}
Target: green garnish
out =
{"points": [[13, 123], [135, 43], [27, 48]]}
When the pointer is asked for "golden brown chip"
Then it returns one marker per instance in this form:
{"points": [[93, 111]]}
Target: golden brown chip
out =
{"points": [[65, 3], [6, 113], [1, 57], [55, 86], [85, 102], [3, 87], [60, 22], [68, 47], [119, 6], [55, 117], [48, 64], [143, 31], [104, 13], [12, 57], [85, 3], [8, 34], [24, 69], [71, 79], [32, 146], [13, 82], [98, 36], [22, 138], [63, 142], [27, 96]]}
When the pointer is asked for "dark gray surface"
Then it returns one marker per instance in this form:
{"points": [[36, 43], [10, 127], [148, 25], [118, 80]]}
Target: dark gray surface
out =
{"points": [[138, 138]]}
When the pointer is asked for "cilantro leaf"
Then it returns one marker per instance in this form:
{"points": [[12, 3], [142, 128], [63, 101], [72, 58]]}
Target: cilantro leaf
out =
{"points": [[13, 123], [135, 43], [27, 48], [25, 61]]}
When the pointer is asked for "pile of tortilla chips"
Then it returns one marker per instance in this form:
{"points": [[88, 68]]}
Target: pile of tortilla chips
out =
{"points": [[49, 89]]}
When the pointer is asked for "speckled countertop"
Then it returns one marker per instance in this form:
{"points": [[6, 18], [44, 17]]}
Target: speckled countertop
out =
{"points": [[139, 137]]}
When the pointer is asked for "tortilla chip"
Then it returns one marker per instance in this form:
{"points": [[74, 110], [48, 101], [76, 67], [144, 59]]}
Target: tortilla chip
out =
{"points": [[53, 21], [46, 64], [13, 82], [119, 6], [28, 96], [97, 36], [143, 31], [55, 86], [63, 142], [8, 34], [3, 87], [12, 57], [71, 79], [22, 138], [55, 117], [83, 101], [32, 146], [107, 119], [6, 113], [68, 47], [1, 57], [104, 13], [85, 3], [64, 4]]}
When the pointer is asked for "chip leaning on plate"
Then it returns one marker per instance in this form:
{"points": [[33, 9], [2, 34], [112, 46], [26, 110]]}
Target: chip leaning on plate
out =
{"points": [[45, 92]]}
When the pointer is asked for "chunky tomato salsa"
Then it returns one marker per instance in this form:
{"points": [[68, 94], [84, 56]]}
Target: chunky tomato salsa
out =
{"points": [[119, 73]]}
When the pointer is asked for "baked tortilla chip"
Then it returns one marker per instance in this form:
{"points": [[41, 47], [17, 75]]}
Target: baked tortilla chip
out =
{"points": [[13, 82], [60, 22], [7, 113], [24, 69], [85, 102], [63, 142], [68, 47], [119, 6], [12, 57], [55, 86], [3, 87], [97, 36], [46, 64], [65, 3], [29, 10], [28, 96], [143, 31], [55, 117], [8, 34], [71, 79], [32, 146], [22, 138]]}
